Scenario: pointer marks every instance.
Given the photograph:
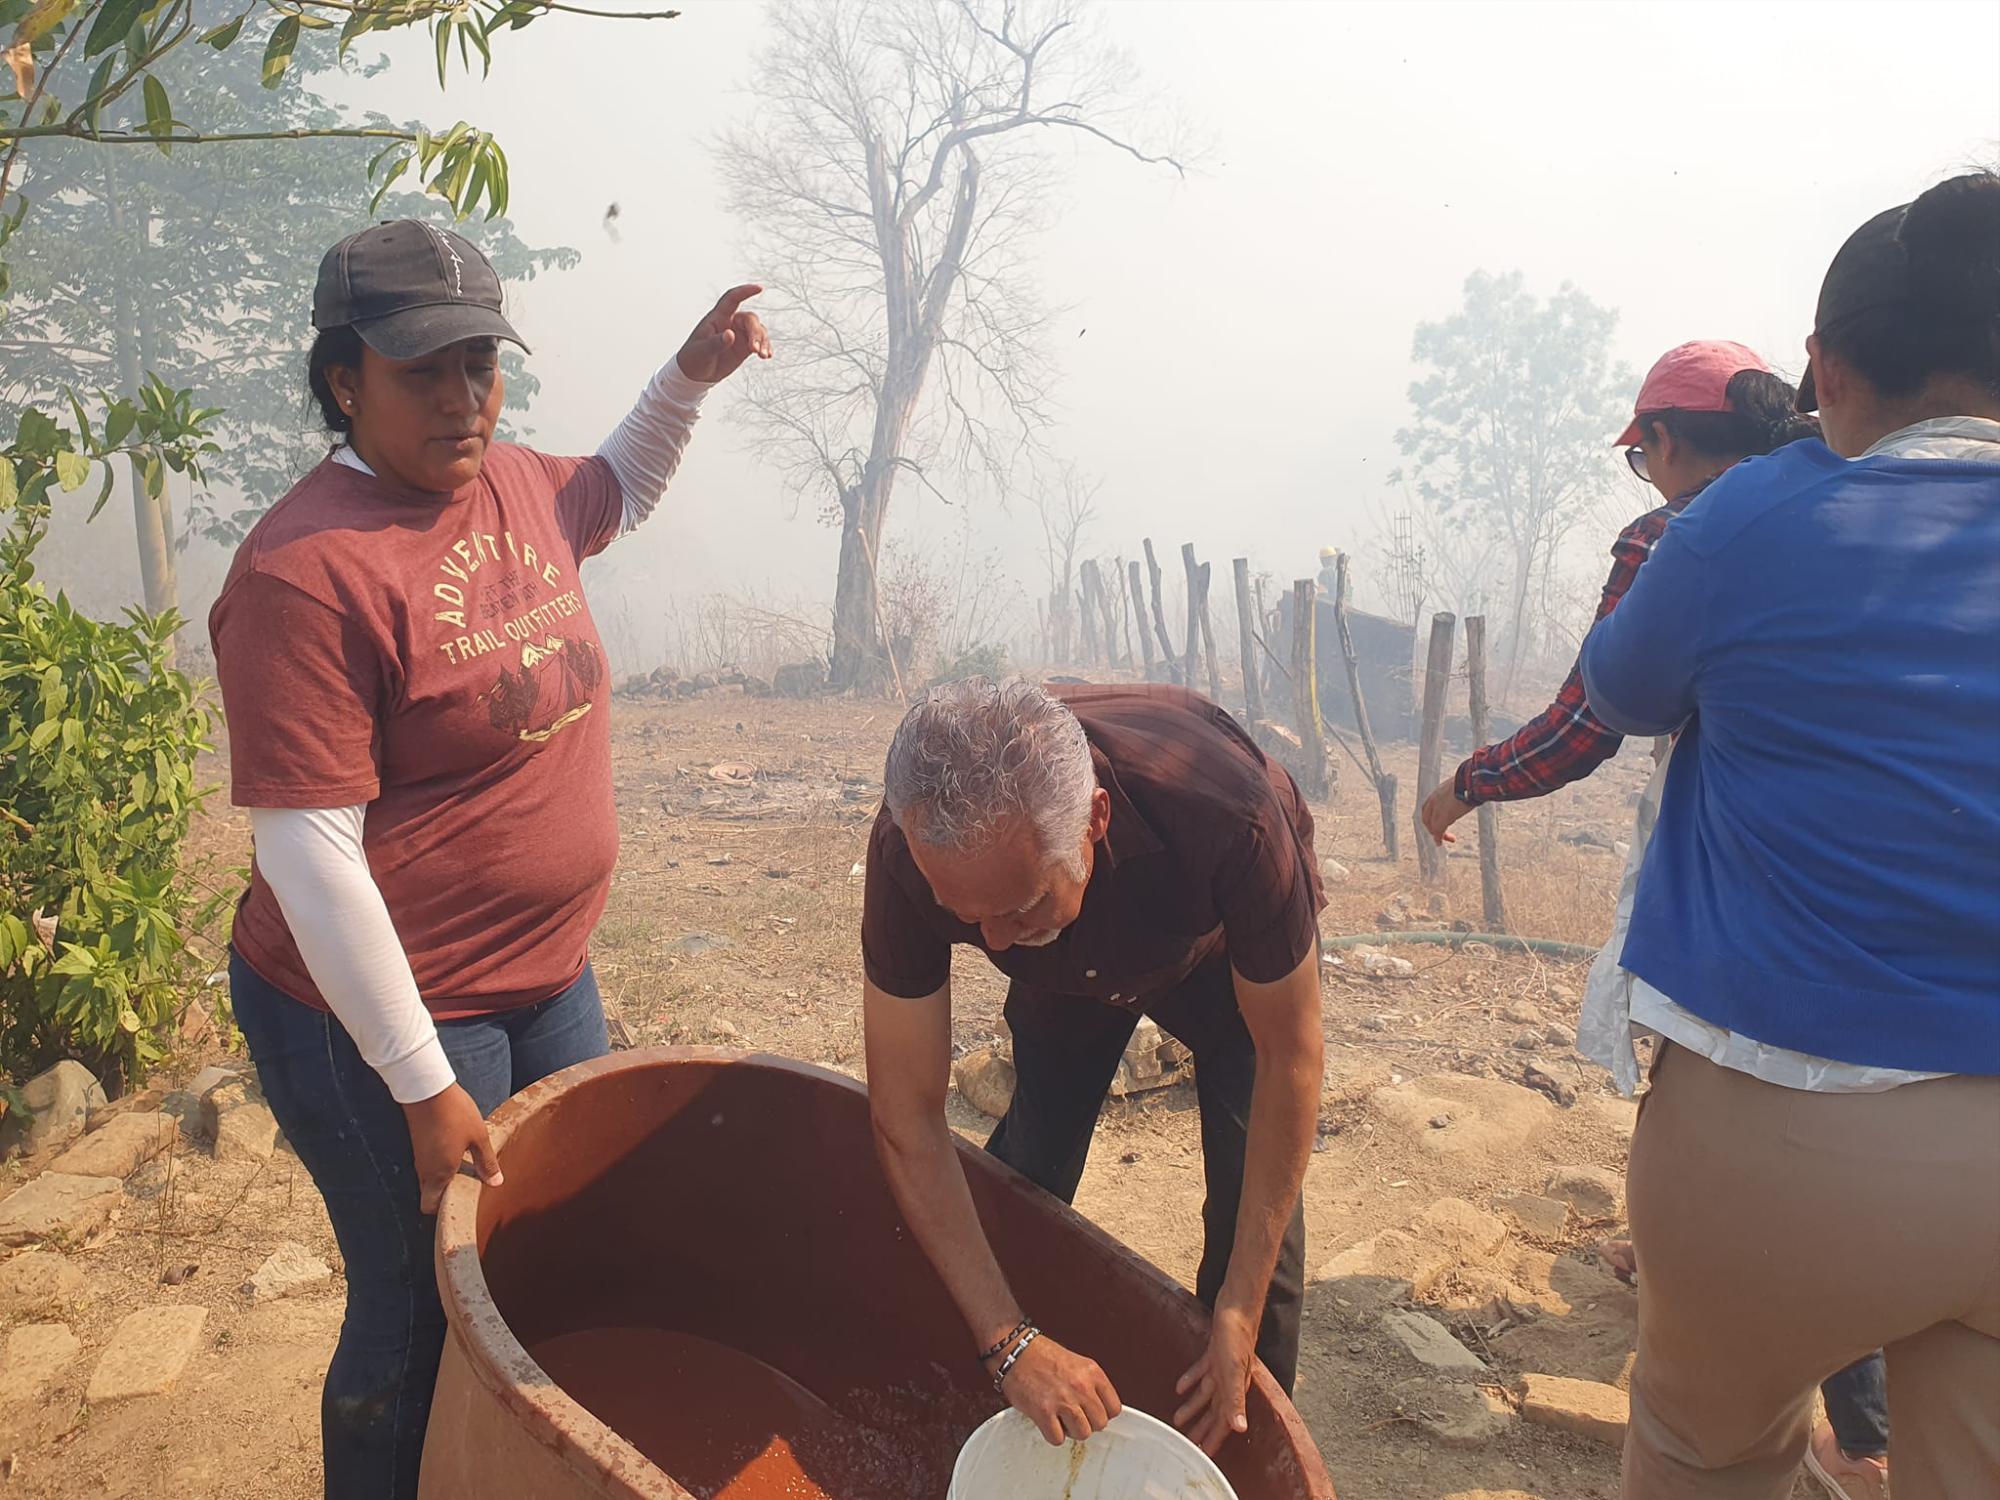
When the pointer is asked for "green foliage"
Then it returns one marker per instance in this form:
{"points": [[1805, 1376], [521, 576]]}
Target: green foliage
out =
{"points": [[98, 739], [199, 271]]}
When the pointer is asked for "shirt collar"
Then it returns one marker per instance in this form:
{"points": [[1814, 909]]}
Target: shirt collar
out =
{"points": [[1942, 437], [1129, 835]]}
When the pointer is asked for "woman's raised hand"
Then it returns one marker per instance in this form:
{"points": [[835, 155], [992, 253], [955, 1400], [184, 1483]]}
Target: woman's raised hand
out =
{"points": [[725, 338]]}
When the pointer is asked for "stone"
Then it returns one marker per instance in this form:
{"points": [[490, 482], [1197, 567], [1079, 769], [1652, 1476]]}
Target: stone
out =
{"points": [[154, 1178], [1430, 1343], [35, 1354], [1583, 1407], [147, 1353], [1593, 1192], [56, 1206], [1528, 1041], [36, 1283], [1521, 1013], [1459, 1416], [1332, 871], [59, 1102], [986, 1080], [724, 1030], [1558, 1035], [1489, 1119], [209, 1077], [119, 1148], [1379, 965], [1535, 1216], [798, 679], [694, 944], [248, 1132], [1615, 1116], [1152, 1060], [1388, 1259], [289, 1268], [1469, 1233]]}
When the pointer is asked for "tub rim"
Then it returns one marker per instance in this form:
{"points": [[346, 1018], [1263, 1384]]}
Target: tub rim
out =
{"points": [[503, 1367]]}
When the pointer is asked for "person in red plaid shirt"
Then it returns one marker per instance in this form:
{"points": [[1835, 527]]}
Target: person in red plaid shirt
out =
{"points": [[1704, 407]]}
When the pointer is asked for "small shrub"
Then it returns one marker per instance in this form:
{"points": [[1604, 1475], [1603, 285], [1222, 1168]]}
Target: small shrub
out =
{"points": [[98, 739], [988, 659]]}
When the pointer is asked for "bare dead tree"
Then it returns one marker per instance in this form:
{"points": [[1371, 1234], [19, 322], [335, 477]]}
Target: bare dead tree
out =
{"points": [[1066, 509], [893, 174]]}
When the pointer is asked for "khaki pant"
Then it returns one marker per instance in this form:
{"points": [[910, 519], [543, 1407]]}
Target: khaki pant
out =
{"points": [[1781, 1236]]}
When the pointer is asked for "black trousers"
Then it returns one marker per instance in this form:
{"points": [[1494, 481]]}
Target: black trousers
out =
{"points": [[1066, 1052]]}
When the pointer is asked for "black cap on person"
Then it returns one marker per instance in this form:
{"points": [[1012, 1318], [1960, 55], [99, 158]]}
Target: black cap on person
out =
{"points": [[1871, 271], [409, 288]]}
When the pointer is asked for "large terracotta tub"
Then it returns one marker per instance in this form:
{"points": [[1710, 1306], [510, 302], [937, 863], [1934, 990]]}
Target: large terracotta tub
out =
{"points": [[695, 1283]]}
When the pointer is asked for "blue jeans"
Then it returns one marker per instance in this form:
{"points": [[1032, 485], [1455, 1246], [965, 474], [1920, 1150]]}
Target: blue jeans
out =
{"points": [[339, 1117], [1857, 1407]]}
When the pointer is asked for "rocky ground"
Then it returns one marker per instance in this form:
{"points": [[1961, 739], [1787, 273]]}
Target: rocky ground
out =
{"points": [[171, 1288]]}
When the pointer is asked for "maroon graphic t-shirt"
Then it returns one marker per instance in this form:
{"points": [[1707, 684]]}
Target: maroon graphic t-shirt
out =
{"points": [[435, 660]]}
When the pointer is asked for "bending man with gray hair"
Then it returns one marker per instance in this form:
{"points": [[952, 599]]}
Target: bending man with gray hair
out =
{"points": [[1116, 851]]}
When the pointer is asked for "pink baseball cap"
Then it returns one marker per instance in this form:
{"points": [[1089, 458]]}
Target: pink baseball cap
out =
{"points": [[1692, 377]]}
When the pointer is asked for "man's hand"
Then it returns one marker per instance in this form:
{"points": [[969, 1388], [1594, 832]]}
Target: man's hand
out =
{"points": [[444, 1130], [1442, 809], [725, 338], [1216, 1389], [1063, 1394]]}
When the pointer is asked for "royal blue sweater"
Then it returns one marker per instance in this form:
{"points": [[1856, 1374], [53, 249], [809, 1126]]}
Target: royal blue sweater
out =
{"points": [[1825, 873]]}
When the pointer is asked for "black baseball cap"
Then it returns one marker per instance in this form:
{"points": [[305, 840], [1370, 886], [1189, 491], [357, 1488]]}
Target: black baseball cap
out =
{"points": [[1871, 271], [410, 288]]}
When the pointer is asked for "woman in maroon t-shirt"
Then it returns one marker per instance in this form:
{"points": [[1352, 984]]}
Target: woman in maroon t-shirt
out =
{"points": [[417, 703]]}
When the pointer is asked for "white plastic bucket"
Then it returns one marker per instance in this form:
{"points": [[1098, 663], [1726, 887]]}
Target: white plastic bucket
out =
{"points": [[1137, 1457]]}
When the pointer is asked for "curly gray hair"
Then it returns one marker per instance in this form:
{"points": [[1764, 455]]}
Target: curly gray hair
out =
{"points": [[971, 757]]}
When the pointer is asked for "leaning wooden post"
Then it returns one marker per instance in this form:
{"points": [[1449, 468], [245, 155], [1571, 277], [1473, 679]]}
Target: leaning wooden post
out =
{"points": [[1136, 594], [1168, 654], [1246, 641], [1385, 784], [1191, 668], [1305, 689], [1492, 899], [1430, 745], [1208, 642]]}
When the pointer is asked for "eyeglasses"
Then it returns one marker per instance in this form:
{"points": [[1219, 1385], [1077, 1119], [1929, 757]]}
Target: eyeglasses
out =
{"points": [[1636, 457]]}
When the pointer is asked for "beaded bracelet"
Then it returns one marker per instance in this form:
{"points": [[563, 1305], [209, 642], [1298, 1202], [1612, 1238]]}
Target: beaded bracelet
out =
{"points": [[1007, 1365], [1005, 1340]]}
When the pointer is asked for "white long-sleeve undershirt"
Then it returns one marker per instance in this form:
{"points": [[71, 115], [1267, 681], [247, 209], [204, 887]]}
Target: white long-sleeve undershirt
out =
{"points": [[315, 860]]}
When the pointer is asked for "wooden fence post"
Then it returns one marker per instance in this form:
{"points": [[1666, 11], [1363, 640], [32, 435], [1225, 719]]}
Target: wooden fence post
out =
{"points": [[1385, 784], [1086, 605], [1208, 642], [1246, 641], [1168, 654], [1305, 689], [1136, 595], [1191, 669], [1430, 745], [1107, 616], [1492, 899]]}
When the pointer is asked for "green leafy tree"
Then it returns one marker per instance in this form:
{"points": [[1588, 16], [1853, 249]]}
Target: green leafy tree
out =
{"points": [[191, 268], [1512, 419]]}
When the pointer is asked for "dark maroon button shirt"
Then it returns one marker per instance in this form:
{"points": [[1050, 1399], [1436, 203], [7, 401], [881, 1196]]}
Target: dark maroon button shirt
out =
{"points": [[1209, 850]]}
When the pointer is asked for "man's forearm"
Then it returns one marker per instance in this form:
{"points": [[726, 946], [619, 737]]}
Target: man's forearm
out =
{"points": [[1284, 1112], [929, 1184]]}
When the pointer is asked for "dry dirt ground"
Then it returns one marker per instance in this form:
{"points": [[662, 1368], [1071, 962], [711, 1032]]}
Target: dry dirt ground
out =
{"points": [[733, 919]]}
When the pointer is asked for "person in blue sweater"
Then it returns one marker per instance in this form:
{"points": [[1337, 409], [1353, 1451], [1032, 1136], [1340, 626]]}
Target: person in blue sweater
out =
{"points": [[1816, 931]]}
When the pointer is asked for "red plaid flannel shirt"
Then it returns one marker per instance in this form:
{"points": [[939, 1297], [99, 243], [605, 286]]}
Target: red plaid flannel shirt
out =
{"points": [[1566, 741]]}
